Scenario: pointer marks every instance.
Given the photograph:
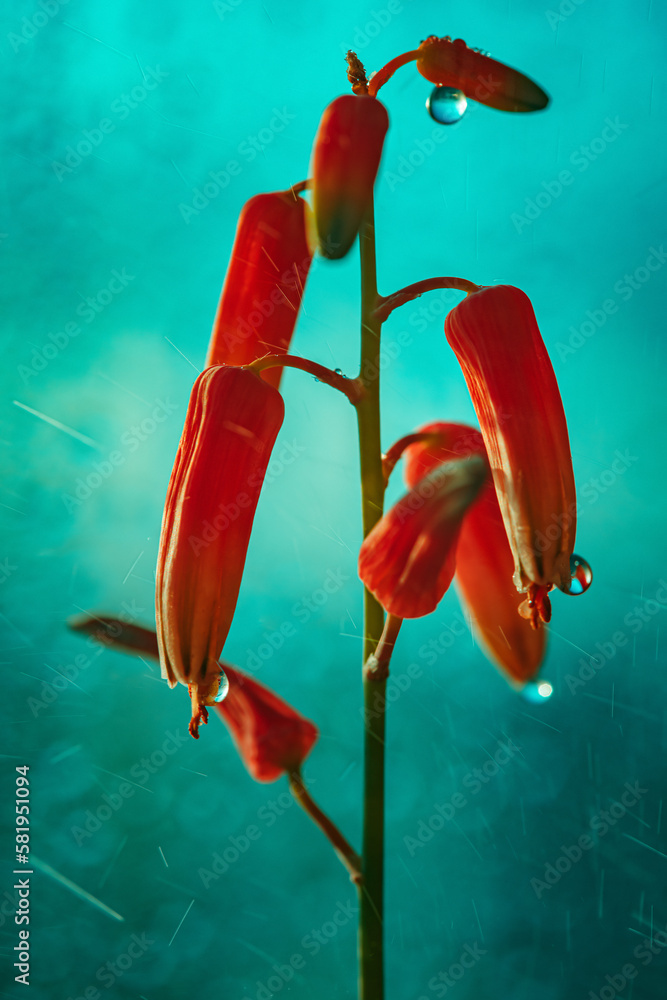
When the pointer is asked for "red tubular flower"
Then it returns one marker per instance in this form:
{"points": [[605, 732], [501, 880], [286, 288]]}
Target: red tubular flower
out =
{"points": [[231, 426], [496, 339], [484, 563], [407, 560], [271, 737], [450, 63], [260, 299], [346, 157]]}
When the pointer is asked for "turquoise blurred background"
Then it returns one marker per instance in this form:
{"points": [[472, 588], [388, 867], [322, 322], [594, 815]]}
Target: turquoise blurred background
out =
{"points": [[244, 82]]}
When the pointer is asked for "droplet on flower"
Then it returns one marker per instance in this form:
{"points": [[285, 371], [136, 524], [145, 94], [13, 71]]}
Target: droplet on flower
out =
{"points": [[537, 692], [582, 577], [447, 105], [223, 688]]}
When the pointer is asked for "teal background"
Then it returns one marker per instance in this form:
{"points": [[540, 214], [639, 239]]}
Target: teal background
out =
{"points": [[461, 211]]}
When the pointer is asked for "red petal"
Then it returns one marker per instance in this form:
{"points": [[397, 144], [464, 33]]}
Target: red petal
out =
{"points": [[407, 560], [346, 157], [262, 293], [452, 64], [271, 737], [496, 339], [230, 429]]}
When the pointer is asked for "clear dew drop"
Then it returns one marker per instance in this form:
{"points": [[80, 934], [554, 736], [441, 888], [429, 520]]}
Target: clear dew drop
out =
{"points": [[537, 691], [582, 576], [223, 689], [446, 105]]}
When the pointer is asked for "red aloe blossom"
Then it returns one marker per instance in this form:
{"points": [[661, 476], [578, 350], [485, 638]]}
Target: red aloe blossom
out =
{"points": [[267, 272], [346, 157], [452, 64], [496, 339], [407, 561], [271, 737], [484, 562], [230, 428]]}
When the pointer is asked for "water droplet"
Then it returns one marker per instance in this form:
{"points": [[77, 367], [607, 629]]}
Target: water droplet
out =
{"points": [[582, 577], [537, 691], [447, 105], [223, 688], [339, 371]]}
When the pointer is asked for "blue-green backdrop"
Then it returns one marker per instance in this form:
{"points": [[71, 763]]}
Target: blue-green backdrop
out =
{"points": [[244, 82]]}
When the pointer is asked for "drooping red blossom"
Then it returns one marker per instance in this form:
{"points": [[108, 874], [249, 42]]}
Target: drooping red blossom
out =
{"points": [[230, 428], [260, 300], [271, 737], [484, 562], [513, 387], [346, 157], [450, 63], [407, 561]]}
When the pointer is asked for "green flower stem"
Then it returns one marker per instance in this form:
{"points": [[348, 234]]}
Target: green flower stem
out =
{"points": [[345, 852], [351, 388], [386, 304], [371, 977]]}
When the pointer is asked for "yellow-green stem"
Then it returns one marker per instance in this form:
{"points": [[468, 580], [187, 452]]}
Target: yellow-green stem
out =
{"points": [[371, 979]]}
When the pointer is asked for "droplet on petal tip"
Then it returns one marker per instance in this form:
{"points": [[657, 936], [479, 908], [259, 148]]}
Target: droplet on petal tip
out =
{"points": [[446, 105], [537, 691], [582, 577]]}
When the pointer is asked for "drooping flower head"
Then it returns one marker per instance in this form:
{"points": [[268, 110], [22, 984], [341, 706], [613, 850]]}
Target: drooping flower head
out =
{"points": [[271, 737], [260, 300], [346, 157], [450, 63], [484, 562], [407, 561], [231, 426], [510, 378]]}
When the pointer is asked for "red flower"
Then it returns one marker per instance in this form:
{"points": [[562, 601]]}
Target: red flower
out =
{"points": [[267, 272], [495, 337], [231, 425], [270, 736], [346, 157], [452, 64], [407, 560], [484, 562]]}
